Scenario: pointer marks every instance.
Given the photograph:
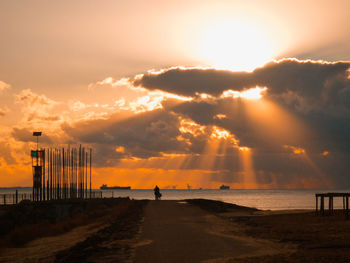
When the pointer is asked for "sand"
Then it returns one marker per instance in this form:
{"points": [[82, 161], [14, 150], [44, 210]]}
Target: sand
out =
{"points": [[191, 231]]}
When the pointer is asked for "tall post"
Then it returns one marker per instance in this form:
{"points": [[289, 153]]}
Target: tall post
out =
{"points": [[347, 207], [33, 171], [63, 177], [79, 172], [75, 174], [51, 175], [44, 168], [90, 169], [86, 160]]}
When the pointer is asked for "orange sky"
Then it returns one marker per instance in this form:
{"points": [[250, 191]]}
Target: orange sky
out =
{"points": [[96, 72]]}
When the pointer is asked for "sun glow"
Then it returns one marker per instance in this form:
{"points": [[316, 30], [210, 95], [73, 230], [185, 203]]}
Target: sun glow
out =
{"points": [[253, 94], [250, 94], [235, 45]]}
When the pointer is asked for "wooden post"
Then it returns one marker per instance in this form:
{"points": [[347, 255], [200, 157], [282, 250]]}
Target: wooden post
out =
{"points": [[347, 207], [316, 204], [322, 205], [4, 199], [16, 196]]}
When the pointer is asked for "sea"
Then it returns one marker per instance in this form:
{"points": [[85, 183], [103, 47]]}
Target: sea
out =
{"points": [[262, 199]]}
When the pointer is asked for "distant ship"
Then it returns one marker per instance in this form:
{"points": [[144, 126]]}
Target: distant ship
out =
{"points": [[105, 187], [224, 187]]}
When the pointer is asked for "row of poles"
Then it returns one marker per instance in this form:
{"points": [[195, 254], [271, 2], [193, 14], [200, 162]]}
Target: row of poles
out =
{"points": [[60, 173]]}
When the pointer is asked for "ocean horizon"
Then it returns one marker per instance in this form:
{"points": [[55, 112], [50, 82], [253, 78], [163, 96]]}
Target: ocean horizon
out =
{"points": [[265, 199]]}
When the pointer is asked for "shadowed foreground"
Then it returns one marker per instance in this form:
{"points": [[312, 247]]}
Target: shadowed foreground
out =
{"points": [[196, 230], [176, 231]]}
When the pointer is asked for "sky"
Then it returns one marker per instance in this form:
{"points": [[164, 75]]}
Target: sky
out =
{"points": [[250, 94]]}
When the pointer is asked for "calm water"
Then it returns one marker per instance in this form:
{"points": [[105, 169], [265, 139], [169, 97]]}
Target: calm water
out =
{"points": [[262, 199]]}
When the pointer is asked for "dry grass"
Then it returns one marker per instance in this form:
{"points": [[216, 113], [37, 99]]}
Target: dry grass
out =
{"points": [[94, 228], [318, 238], [101, 211]]}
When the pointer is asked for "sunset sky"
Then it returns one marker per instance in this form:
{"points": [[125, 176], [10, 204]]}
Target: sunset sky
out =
{"points": [[251, 94]]}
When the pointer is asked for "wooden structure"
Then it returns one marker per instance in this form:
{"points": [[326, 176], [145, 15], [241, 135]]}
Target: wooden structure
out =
{"points": [[38, 167], [321, 208]]}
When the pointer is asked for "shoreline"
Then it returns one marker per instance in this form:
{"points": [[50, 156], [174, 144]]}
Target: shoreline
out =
{"points": [[262, 199]]}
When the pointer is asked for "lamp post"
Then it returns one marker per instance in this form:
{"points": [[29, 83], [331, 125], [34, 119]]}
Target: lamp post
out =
{"points": [[37, 134]]}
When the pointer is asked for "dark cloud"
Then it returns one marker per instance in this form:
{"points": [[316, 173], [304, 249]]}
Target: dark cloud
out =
{"points": [[188, 82], [145, 135], [317, 94], [318, 82], [25, 135]]}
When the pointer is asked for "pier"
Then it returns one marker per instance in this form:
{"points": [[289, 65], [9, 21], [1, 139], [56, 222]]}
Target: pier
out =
{"points": [[321, 208]]}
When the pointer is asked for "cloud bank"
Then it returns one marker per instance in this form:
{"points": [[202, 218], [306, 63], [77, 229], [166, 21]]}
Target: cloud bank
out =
{"points": [[194, 119]]}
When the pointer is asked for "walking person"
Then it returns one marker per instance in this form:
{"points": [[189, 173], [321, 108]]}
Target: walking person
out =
{"points": [[157, 193]]}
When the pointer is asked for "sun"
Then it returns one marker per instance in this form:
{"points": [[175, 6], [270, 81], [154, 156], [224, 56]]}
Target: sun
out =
{"points": [[235, 45]]}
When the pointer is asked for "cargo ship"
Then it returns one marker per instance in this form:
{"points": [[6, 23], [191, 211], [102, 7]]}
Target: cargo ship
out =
{"points": [[224, 187], [105, 187]]}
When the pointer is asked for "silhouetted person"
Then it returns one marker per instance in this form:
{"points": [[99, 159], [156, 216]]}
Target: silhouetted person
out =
{"points": [[157, 193]]}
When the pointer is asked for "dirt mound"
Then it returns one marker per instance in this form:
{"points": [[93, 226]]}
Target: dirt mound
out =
{"points": [[218, 206]]}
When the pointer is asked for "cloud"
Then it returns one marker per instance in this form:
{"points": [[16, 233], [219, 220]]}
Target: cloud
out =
{"points": [[189, 82], [276, 125], [36, 107], [2, 112], [25, 135], [4, 86], [144, 135], [30, 98], [305, 84], [309, 106], [6, 153]]}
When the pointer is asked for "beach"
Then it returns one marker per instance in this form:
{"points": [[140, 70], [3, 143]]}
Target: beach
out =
{"points": [[192, 230]]}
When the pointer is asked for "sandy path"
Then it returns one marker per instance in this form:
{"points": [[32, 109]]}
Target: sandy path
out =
{"points": [[179, 232]]}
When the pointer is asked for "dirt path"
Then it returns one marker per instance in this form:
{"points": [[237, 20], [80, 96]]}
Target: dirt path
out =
{"points": [[179, 232]]}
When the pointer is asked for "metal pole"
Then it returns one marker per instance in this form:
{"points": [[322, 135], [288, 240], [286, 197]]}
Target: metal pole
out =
{"points": [[86, 160], [44, 162], [90, 169]]}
